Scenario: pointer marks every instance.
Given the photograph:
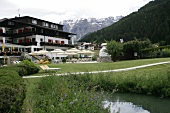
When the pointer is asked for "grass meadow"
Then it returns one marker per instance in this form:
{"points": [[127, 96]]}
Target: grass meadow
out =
{"points": [[86, 67], [85, 93]]}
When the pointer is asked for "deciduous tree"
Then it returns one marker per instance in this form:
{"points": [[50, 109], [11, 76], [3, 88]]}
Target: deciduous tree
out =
{"points": [[114, 49]]}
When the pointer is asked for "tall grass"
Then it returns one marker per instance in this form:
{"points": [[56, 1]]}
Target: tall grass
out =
{"points": [[66, 95], [84, 93]]}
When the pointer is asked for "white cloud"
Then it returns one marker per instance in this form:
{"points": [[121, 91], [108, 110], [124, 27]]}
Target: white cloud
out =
{"points": [[57, 10]]}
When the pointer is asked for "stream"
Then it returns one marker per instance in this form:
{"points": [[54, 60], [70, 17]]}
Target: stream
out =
{"points": [[136, 103]]}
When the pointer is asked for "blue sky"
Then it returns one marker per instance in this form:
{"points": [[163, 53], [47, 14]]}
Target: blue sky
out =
{"points": [[58, 10]]}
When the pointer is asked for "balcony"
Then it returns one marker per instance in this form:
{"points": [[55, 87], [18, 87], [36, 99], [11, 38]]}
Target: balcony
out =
{"points": [[22, 34], [55, 44], [27, 43]]}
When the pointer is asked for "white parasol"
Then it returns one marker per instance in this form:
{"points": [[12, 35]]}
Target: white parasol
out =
{"points": [[34, 53], [73, 50], [42, 52], [57, 51], [86, 52]]}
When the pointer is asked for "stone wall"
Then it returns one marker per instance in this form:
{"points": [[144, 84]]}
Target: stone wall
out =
{"points": [[104, 59]]}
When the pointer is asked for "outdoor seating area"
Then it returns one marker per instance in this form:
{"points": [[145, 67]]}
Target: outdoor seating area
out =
{"points": [[74, 60], [72, 55]]}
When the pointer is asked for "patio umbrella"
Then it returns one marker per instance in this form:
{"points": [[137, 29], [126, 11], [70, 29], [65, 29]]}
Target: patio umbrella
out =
{"points": [[85, 52], [73, 50], [57, 51], [34, 53], [68, 53], [42, 52]]}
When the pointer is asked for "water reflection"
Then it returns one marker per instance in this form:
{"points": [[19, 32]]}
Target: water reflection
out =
{"points": [[123, 107], [135, 103]]}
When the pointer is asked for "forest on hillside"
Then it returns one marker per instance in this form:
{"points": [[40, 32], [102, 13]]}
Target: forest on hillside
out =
{"points": [[152, 21]]}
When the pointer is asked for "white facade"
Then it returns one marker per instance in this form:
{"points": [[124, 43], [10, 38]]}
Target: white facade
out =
{"points": [[39, 37], [102, 52], [87, 46]]}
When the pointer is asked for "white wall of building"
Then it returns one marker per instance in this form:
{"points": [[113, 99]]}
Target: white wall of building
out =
{"points": [[83, 47], [3, 29], [39, 37]]}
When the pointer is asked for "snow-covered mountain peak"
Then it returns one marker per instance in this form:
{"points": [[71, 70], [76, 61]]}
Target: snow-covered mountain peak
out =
{"points": [[84, 26]]}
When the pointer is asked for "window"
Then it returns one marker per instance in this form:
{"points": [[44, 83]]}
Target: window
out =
{"points": [[19, 30], [10, 23], [34, 21], [41, 40], [27, 40], [56, 26], [33, 39], [52, 26], [49, 41], [57, 41], [62, 42], [1, 30], [41, 30], [45, 24]]}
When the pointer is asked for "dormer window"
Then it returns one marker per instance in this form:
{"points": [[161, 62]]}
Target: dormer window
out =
{"points": [[34, 21], [56, 26], [45, 24], [10, 23], [52, 26]]}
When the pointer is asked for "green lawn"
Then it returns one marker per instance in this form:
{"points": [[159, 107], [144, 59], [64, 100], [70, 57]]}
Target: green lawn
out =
{"points": [[85, 67]]}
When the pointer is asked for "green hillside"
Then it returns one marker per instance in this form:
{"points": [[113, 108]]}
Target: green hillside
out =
{"points": [[151, 21]]}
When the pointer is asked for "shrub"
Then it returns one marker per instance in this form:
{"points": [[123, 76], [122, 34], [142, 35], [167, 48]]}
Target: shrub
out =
{"points": [[165, 53], [29, 66], [64, 60], [12, 91], [94, 58], [24, 68]]}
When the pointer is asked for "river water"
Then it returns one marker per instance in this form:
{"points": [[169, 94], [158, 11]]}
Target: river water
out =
{"points": [[136, 103]]}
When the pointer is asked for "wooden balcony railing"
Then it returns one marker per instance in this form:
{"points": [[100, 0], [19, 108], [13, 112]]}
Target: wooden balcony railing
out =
{"points": [[27, 43]]}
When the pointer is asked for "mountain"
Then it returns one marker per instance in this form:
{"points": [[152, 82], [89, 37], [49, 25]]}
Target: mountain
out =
{"points": [[152, 21], [84, 26]]}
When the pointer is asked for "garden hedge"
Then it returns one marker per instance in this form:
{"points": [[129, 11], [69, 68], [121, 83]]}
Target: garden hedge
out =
{"points": [[12, 91]]}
